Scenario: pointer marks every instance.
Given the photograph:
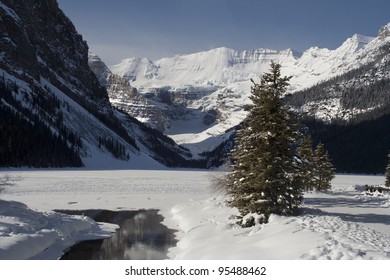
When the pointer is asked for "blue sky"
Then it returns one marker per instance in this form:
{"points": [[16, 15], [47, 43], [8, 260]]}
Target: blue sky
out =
{"points": [[119, 29]]}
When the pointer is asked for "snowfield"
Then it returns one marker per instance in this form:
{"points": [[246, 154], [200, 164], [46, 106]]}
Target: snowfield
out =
{"points": [[343, 223]]}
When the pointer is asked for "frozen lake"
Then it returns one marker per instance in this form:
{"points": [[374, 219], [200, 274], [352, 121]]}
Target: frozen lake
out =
{"points": [[123, 189], [343, 223], [108, 189], [149, 194]]}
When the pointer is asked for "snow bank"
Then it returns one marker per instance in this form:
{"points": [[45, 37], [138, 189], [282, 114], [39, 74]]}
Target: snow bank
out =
{"points": [[207, 230], [29, 234]]}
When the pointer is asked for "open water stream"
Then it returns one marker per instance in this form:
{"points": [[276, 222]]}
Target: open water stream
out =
{"points": [[141, 236]]}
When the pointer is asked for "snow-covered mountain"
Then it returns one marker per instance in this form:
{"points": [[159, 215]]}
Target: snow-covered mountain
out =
{"points": [[350, 113], [352, 95], [54, 112], [199, 96], [121, 92]]}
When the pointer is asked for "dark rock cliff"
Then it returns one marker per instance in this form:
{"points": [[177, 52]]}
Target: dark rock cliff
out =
{"points": [[40, 41]]}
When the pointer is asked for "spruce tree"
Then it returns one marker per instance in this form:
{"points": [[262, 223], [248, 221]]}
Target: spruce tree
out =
{"points": [[265, 177], [324, 170], [307, 164]]}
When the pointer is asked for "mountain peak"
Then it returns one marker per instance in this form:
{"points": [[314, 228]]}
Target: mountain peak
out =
{"points": [[362, 39], [357, 42], [384, 31]]}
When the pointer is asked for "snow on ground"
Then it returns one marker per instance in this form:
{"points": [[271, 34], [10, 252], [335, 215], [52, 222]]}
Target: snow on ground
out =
{"points": [[25, 233], [342, 223]]}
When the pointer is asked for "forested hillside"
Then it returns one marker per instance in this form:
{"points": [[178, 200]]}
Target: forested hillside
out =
{"points": [[25, 135], [350, 114]]}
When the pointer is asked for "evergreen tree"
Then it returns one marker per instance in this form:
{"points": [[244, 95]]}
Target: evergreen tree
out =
{"points": [[307, 164], [264, 177], [387, 183], [324, 170]]}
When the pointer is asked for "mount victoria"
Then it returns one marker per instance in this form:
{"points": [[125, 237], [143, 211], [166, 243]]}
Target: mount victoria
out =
{"points": [[197, 99]]}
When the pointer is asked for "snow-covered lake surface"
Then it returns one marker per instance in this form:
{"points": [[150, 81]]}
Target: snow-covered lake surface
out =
{"points": [[343, 223]]}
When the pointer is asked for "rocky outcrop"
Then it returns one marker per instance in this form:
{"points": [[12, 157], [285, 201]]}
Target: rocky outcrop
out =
{"points": [[40, 41]]}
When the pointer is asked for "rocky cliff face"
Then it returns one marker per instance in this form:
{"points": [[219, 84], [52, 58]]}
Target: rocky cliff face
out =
{"points": [[43, 42], [46, 84], [125, 97]]}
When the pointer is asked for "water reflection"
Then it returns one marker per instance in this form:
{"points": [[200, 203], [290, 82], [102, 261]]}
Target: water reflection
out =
{"points": [[141, 237]]}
